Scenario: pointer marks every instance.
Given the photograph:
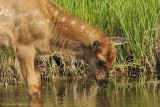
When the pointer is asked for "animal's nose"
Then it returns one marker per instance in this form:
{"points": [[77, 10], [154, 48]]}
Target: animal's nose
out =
{"points": [[103, 83]]}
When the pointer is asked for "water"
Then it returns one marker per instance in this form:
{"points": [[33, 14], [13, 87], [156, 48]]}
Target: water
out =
{"points": [[85, 94]]}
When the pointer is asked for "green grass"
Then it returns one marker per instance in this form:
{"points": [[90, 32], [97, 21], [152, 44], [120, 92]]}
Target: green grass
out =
{"points": [[137, 20]]}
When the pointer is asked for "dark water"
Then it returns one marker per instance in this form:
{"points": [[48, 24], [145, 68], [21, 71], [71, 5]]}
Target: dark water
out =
{"points": [[85, 94]]}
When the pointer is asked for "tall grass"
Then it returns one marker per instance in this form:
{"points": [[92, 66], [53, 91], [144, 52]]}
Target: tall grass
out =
{"points": [[8, 69], [137, 20]]}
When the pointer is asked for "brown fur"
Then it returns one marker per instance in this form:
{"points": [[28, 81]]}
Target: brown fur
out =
{"points": [[36, 27]]}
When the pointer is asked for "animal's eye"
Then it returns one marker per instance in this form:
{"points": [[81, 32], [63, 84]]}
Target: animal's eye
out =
{"points": [[100, 62]]}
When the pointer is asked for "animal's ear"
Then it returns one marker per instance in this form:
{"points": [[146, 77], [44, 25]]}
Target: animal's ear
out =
{"points": [[96, 44], [119, 40]]}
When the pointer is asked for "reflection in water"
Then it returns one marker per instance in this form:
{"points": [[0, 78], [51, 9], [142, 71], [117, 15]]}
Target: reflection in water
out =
{"points": [[35, 103], [86, 94]]}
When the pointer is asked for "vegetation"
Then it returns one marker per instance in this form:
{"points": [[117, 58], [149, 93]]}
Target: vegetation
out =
{"points": [[9, 72], [137, 20]]}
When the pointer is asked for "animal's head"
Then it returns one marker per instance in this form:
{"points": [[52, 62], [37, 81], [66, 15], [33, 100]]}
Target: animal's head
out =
{"points": [[102, 57]]}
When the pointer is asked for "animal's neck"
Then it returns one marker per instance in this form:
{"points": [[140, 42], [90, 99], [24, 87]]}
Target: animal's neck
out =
{"points": [[70, 33], [69, 41]]}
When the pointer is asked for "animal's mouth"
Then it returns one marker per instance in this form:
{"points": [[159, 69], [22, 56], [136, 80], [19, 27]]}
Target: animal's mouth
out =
{"points": [[101, 78]]}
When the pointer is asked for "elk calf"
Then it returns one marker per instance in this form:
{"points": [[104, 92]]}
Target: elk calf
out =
{"points": [[37, 27]]}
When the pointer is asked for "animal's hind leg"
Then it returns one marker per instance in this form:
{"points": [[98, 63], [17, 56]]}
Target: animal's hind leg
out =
{"points": [[31, 74]]}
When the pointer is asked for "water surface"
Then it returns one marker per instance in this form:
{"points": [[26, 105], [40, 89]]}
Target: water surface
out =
{"points": [[85, 94]]}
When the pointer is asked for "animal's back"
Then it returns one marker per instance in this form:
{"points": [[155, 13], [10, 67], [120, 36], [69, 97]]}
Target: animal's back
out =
{"points": [[12, 12], [26, 19]]}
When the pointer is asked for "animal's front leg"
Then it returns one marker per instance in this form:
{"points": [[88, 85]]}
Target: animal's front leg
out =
{"points": [[31, 74]]}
